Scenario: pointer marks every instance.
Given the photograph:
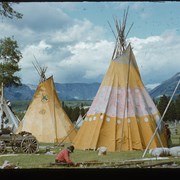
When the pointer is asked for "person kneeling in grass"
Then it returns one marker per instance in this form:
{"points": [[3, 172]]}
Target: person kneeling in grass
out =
{"points": [[64, 156]]}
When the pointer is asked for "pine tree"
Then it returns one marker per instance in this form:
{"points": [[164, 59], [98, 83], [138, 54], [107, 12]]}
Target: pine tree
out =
{"points": [[163, 101], [9, 59]]}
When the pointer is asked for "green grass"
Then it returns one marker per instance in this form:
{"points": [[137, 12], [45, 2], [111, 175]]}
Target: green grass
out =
{"points": [[42, 160]]}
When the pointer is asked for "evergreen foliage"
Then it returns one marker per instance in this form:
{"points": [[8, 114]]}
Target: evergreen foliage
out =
{"points": [[9, 59], [6, 10]]}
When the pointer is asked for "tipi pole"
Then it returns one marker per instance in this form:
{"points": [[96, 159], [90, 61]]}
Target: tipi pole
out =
{"points": [[126, 100], [161, 118], [54, 116], [2, 93], [1, 104]]}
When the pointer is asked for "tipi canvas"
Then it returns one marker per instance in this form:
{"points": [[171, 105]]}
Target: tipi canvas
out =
{"points": [[45, 117], [122, 116], [8, 119], [9, 122]]}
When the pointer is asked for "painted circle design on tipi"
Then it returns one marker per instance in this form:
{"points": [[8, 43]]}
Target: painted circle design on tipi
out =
{"points": [[94, 118], [90, 119], [107, 119], [157, 117], [129, 120], [118, 121], [101, 117], [146, 119], [86, 119]]}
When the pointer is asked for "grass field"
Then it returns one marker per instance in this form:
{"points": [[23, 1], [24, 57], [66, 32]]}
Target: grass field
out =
{"points": [[42, 160]]}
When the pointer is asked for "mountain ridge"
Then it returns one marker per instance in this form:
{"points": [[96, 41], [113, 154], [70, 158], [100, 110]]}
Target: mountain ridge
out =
{"points": [[87, 91]]}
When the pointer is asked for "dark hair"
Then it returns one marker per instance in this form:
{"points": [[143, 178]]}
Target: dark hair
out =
{"points": [[70, 148]]}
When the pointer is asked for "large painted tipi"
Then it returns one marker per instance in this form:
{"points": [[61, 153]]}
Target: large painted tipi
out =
{"points": [[122, 116], [45, 117]]}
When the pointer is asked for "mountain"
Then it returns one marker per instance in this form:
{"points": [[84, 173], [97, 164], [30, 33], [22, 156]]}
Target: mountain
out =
{"points": [[87, 91], [166, 88], [14, 93], [77, 91], [69, 91], [149, 87]]}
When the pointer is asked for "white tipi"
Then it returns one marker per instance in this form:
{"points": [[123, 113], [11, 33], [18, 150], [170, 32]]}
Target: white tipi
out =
{"points": [[8, 120], [79, 121]]}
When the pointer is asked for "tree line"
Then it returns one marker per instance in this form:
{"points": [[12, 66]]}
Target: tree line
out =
{"points": [[73, 113], [173, 111]]}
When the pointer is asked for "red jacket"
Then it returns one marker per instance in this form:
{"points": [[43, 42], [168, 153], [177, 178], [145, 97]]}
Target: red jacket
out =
{"points": [[64, 156]]}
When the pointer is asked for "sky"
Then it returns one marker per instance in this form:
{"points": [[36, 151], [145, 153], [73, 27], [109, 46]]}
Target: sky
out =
{"points": [[75, 42]]}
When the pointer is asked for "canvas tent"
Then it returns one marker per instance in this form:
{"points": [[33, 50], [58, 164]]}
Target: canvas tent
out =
{"points": [[79, 121], [7, 117], [122, 116], [45, 117]]}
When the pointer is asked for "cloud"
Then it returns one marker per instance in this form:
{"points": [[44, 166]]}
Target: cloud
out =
{"points": [[77, 50], [88, 58], [40, 17], [157, 56], [31, 53], [85, 62], [78, 54], [79, 31]]}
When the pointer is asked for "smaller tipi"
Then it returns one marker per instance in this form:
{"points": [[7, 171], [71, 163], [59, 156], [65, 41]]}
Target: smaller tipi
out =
{"points": [[45, 117], [79, 121], [8, 120]]}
